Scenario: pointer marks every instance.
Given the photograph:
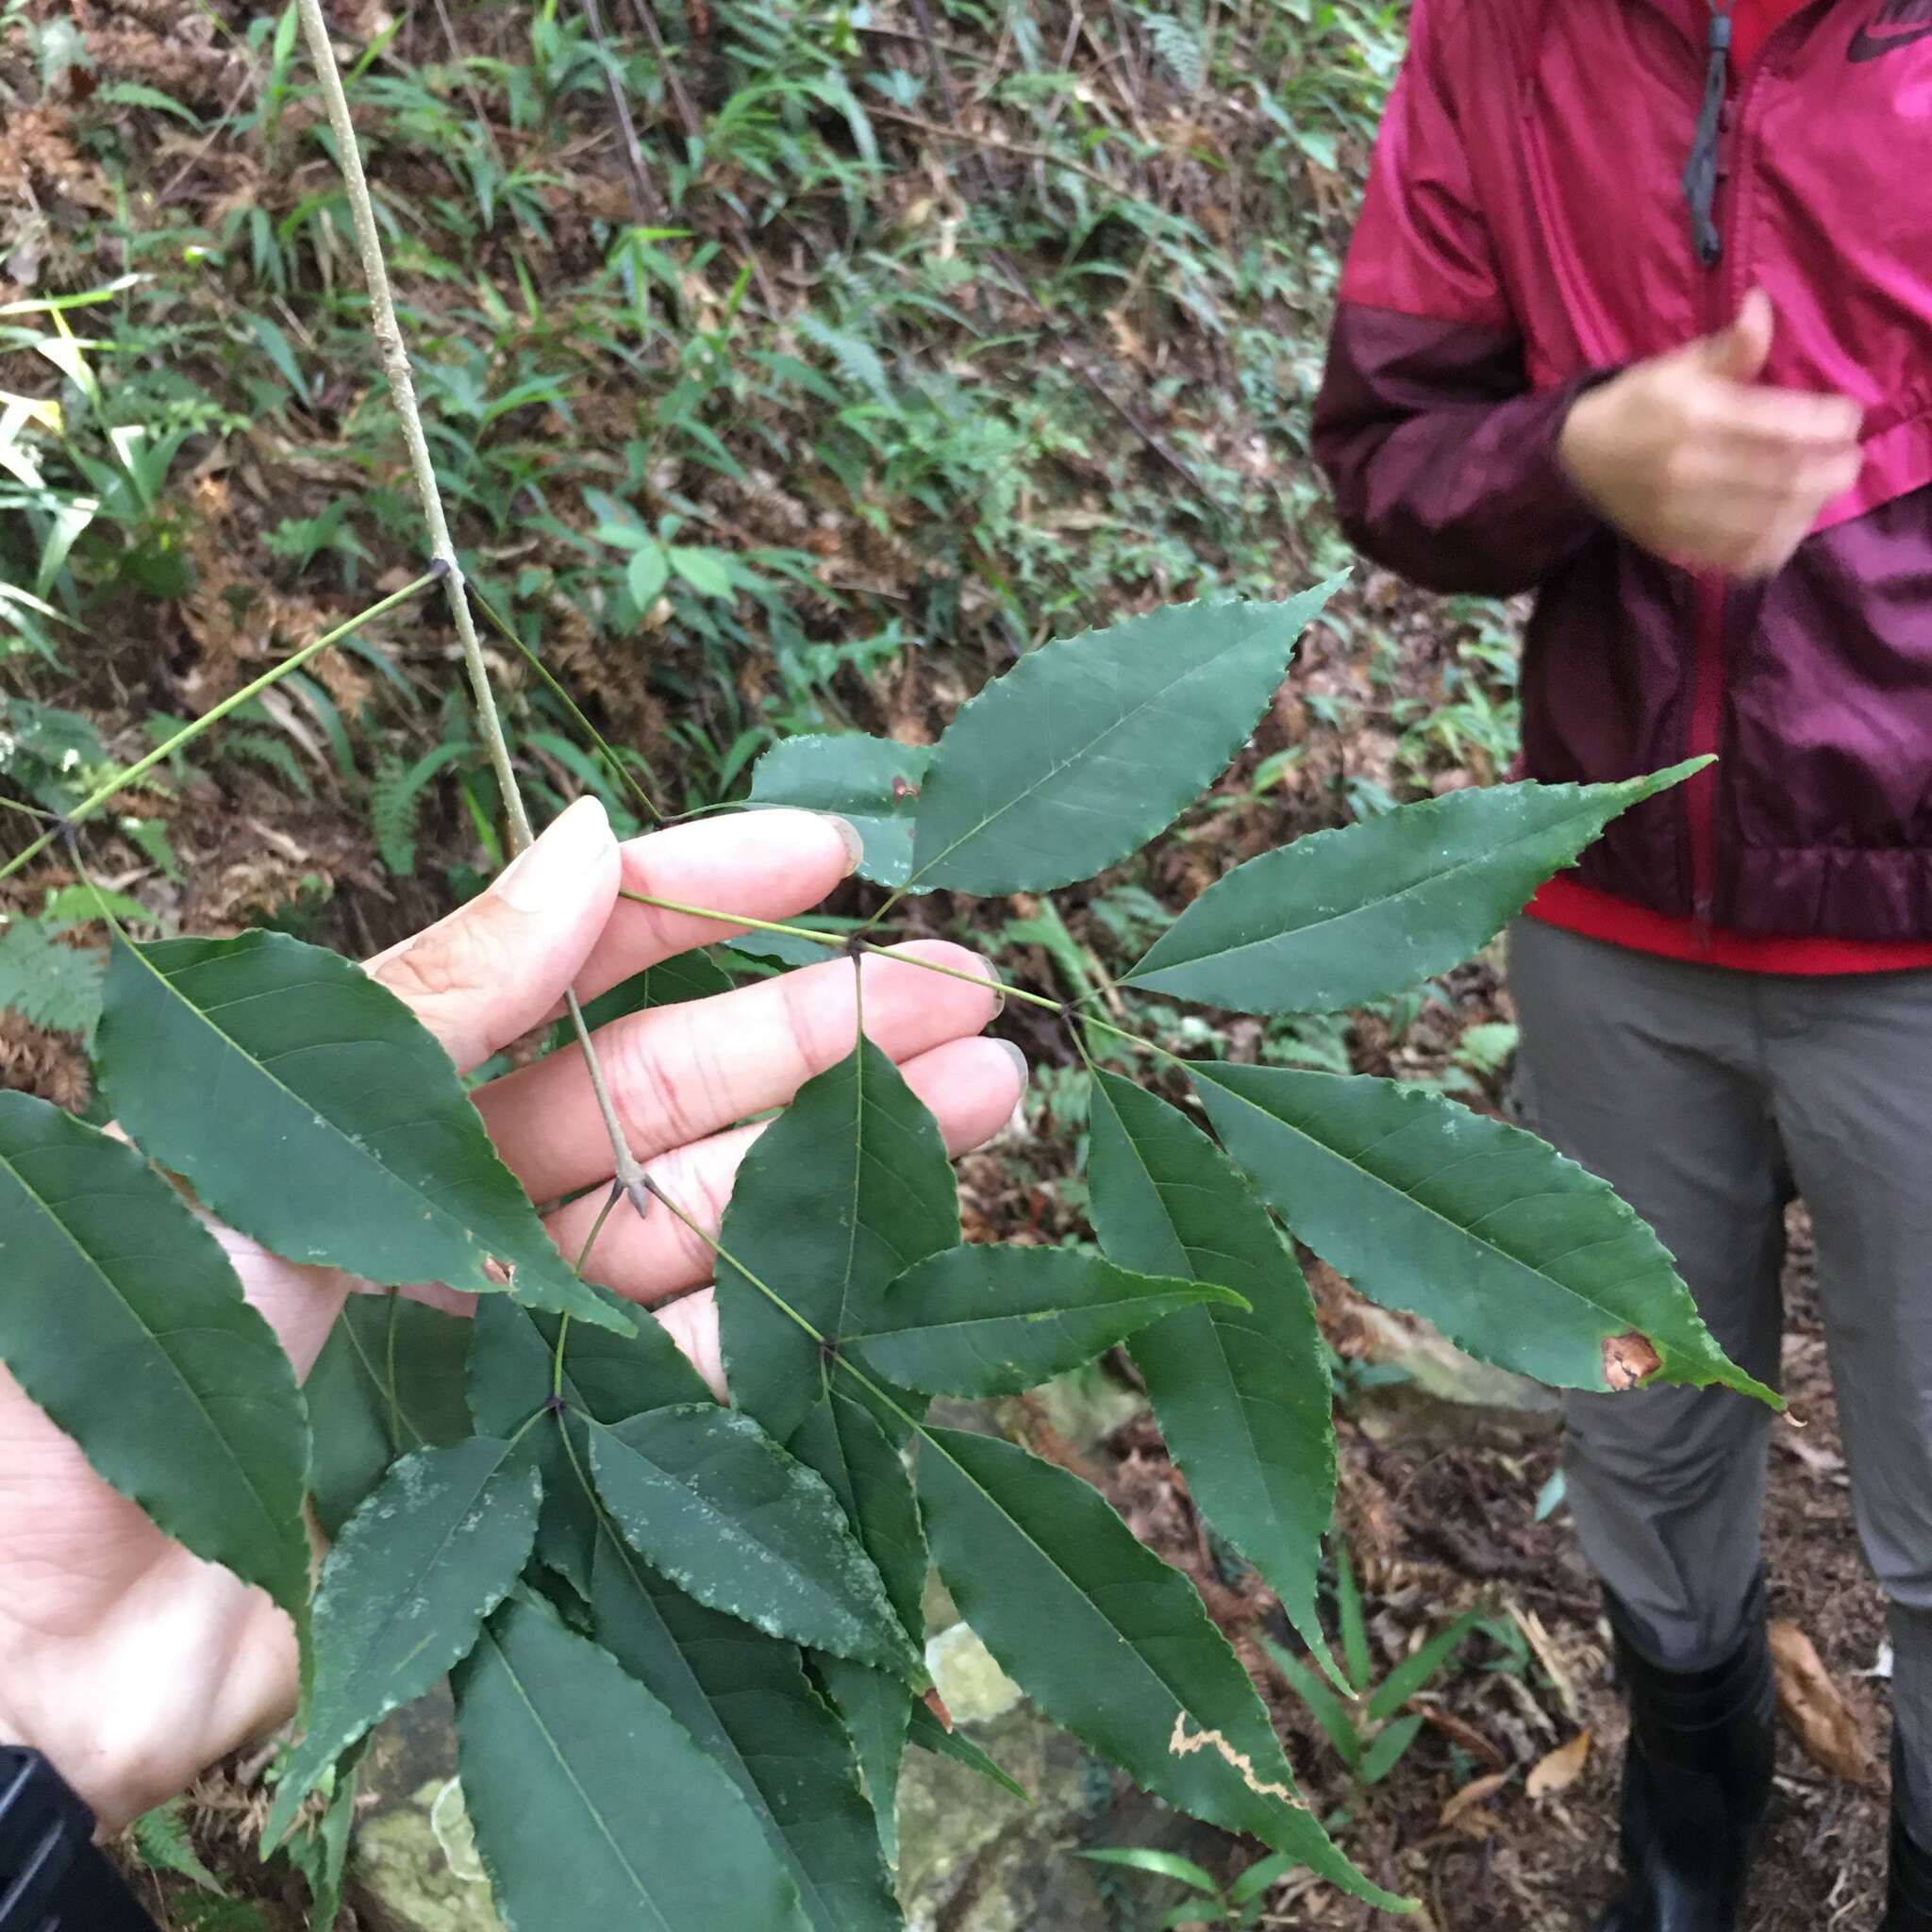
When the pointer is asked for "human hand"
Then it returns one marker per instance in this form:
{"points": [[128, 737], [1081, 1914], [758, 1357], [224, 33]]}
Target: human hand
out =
{"points": [[1690, 458], [130, 1663]]}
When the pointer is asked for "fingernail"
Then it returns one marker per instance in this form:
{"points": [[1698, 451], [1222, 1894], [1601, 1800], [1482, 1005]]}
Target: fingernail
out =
{"points": [[849, 836], [1017, 1058], [569, 847]]}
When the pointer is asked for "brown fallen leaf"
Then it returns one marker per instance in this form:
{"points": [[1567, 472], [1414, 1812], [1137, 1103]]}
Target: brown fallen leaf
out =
{"points": [[1473, 1794], [1478, 1822], [1829, 1731], [1628, 1358], [1552, 1659], [1460, 1731], [1559, 1769]]}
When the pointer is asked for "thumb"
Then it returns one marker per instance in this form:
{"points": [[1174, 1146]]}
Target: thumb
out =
{"points": [[1739, 352], [494, 968]]}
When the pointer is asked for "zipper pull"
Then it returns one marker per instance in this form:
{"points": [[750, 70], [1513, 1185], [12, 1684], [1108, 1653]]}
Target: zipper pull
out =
{"points": [[1701, 171]]}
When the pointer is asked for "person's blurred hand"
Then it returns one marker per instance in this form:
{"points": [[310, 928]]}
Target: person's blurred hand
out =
{"points": [[1690, 457], [131, 1664]]}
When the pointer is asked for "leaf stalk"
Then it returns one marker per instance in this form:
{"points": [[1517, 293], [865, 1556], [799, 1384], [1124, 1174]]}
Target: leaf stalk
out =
{"points": [[840, 943], [111, 787]]}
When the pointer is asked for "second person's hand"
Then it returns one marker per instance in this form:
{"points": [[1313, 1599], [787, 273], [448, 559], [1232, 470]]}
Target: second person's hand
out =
{"points": [[1689, 457]]}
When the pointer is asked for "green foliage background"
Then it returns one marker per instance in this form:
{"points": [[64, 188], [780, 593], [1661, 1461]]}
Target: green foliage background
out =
{"points": [[811, 424]]}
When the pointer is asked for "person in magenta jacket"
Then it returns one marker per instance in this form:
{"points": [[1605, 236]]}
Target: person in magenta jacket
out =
{"points": [[1639, 318]]}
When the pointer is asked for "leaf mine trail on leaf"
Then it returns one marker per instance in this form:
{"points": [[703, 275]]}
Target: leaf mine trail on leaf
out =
{"points": [[1183, 1744]]}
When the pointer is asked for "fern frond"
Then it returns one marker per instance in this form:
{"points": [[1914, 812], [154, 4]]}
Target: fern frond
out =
{"points": [[395, 802], [53, 986], [1181, 45], [392, 809], [263, 748], [160, 1836]]}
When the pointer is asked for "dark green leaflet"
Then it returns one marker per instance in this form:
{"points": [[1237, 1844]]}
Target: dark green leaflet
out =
{"points": [[1337, 918], [841, 1194], [1089, 747], [244, 1063], [1517, 1255], [1242, 1394], [403, 1593], [704, 1495], [576, 1776], [122, 1318], [1111, 1642]]}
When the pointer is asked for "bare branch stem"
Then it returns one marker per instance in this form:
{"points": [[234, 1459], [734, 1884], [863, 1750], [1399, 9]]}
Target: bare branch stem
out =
{"points": [[394, 356]]}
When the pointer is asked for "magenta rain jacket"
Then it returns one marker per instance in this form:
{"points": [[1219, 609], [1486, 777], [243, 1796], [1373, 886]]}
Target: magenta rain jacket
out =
{"points": [[1526, 230]]}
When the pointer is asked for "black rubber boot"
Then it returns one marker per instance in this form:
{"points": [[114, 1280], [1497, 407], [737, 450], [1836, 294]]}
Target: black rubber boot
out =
{"points": [[1909, 1897], [1696, 1782]]}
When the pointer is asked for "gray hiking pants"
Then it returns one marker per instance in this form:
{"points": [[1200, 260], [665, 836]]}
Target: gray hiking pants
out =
{"points": [[1707, 1097]]}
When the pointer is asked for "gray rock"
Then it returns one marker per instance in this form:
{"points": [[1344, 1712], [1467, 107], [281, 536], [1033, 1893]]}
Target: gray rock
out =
{"points": [[413, 1853], [973, 1687], [973, 1859]]}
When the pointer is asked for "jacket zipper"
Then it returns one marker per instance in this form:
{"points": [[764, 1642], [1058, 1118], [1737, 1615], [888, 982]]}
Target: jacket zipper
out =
{"points": [[1710, 589]]}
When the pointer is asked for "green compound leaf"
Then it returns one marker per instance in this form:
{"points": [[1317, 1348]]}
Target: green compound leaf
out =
{"points": [[704, 1495], [122, 1318], [311, 1110], [1088, 748], [930, 1735], [744, 1698], [1519, 1257], [1337, 918], [1242, 1394], [844, 1192], [872, 781], [389, 1380], [404, 1593], [1111, 1642], [578, 1781], [992, 1320]]}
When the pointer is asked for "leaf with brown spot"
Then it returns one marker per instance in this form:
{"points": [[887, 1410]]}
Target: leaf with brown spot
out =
{"points": [[1627, 1360], [1474, 1793], [1828, 1730], [1559, 1769]]}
